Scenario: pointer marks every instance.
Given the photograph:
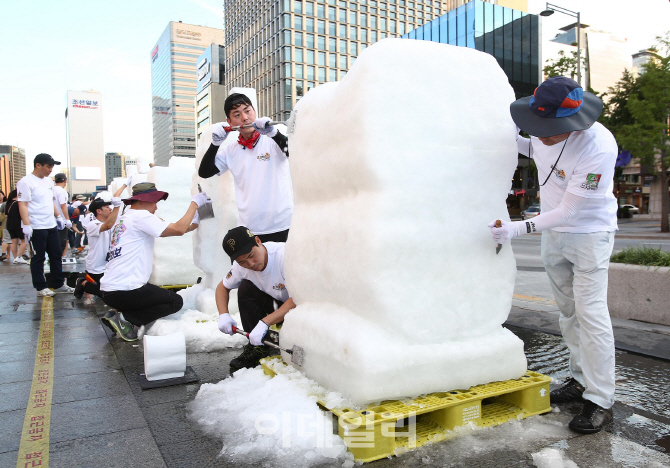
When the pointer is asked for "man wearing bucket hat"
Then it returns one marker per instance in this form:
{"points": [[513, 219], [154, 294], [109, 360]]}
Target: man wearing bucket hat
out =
{"points": [[575, 157], [263, 265], [124, 285], [40, 223]]}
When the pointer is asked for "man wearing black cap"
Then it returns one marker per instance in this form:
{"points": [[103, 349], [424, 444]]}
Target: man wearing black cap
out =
{"points": [[60, 200], [124, 285], [263, 265], [40, 225], [259, 165], [575, 157]]}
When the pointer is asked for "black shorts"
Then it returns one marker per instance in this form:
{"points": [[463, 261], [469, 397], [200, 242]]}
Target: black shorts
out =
{"points": [[16, 234]]}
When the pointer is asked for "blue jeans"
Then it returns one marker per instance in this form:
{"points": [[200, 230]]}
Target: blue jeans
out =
{"points": [[46, 242]]}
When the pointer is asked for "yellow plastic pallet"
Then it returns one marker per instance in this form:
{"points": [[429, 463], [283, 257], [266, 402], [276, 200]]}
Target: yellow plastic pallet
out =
{"points": [[176, 287], [393, 427]]}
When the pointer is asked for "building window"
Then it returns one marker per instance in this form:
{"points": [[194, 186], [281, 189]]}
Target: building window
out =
{"points": [[332, 44], [287, 70], [353, 48], [310, 41], [322, 59], [310, 72], [310, 57], [287, 54], [298, 23], [352, 17], [353, 32], [322, 43], [297, 7], [332, 29], [321, 10], [298, 71], [309, 8], [333, 75], [343, 16], [373, 22], [287, 20], [343, 46], [309, 24], [343, 62], [343, 30], [332, 60], [322, 74], [321, 27], [331, 13], [298, 38], [364, 35]]}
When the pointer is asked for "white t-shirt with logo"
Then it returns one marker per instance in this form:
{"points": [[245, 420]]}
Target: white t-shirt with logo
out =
{"points": [[271, 280], [131, 250], [262, 184], [39, 193], [585, 169], [60, 198], [98, 246]]}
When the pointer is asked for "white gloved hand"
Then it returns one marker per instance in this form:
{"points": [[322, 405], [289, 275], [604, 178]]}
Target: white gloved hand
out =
{"points": [[196, 218], [129, 182], [262, 127], [200, 199], [219, 133], [504, 233], [116, 202], [27, 232], [226, 323], [68, 224], [60, 223], [257, 334]]}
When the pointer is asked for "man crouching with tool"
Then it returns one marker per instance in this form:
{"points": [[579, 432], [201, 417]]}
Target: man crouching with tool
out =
{"points": [[124, 285], [263, 265]]}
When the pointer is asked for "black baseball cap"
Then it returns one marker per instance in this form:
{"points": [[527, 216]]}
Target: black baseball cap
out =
{"points": [[238, 241], [44, 158], [60, 177], [233, 100], [96, 204]]}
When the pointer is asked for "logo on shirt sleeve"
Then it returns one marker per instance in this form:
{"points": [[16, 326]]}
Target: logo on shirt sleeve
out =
{"points": [[592, 181], [229, 275], [279, 287]]}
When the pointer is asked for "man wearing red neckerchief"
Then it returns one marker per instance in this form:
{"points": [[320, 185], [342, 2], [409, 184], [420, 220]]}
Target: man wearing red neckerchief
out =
{"points": [[258, 162]]}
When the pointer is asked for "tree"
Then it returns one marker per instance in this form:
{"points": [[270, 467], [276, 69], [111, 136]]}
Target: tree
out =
{"points": [[647, 134], [564, 66]]}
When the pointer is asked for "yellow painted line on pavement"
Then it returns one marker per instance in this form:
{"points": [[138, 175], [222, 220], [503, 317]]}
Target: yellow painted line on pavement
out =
{"points": [[34, 448], [531, 298]]}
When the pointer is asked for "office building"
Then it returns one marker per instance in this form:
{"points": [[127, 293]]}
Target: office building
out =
{"points": [[115, 166], [211, 88], [13, 167], [174, 87], [84, 139], [641, 58]]}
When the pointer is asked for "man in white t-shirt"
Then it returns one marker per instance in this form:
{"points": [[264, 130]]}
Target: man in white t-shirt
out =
{"points": [[263, 265], [124, 285], [40, 222], [575, 157], [60, 200], [98, 222], [259, 165]]}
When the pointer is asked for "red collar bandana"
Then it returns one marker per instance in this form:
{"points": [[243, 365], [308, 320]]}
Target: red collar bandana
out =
{"points": [[250, 142]]}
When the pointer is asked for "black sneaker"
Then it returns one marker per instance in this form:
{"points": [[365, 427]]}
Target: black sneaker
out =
{"points": [[592, 418], [572, 390], [106, 321], [250, 357], [3, 257], [124, 329], [79, 288]]}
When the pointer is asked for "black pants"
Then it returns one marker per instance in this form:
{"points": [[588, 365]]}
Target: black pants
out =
{"points": [[144, 305], [253, 303], [46, 242], [93, 288], [62, 236]]}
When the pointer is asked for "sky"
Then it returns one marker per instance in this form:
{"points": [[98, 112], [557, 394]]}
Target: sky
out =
{"points": [[50, 47]]}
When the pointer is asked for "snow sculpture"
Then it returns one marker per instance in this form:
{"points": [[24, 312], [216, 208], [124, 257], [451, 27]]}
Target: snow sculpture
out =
{"points": [[398, 286]]}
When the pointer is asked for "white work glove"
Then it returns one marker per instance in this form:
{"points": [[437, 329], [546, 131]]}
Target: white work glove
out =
{"points": [[257, 334], [200, 199], [129, 182], [27, 232], [60, 223], [116, 202], [262, 127], [196, 218], [226, 323], [68, 224], [219, 133], [504, 233]]}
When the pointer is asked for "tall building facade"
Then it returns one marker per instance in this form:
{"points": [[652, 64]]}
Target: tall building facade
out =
{"points": [[13, 167], [84, 138], [115, 166], [173, 88], [211, 88]]}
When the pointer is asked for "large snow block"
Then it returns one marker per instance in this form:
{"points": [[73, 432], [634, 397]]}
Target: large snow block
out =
{"points": [[173, 256], [397, 170]]}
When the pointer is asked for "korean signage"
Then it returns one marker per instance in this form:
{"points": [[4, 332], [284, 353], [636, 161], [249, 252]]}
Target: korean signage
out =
{"points": [[186, 34], [84, 104], [204, 72]]}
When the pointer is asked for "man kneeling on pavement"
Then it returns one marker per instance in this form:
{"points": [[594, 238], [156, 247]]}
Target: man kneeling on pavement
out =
{"points": [[125, 284], [263, 265]]}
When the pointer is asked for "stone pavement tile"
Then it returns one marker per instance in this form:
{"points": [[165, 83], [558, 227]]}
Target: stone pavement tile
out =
{"points": [[201, 452], [606, 449], [169, 422], [29, 307], [81, 328], [11, 423], [94, 417], [92, 345], [212, 367], [18, 352], [156, 396], [69, 314], [14, 396], [33, 316], [17, 371], [123, 449], [18, 327], [87, 386], [19, 337], [85, 363], [8, 458]]}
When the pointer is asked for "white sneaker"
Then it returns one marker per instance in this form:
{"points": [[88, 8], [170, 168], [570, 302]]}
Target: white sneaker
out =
{"points": [[19, 260], [46, 292], [65, 289]]}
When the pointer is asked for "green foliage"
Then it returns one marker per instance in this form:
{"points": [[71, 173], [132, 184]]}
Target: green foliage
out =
{"points": [[642, 256], [564, 66], [615, 113]]}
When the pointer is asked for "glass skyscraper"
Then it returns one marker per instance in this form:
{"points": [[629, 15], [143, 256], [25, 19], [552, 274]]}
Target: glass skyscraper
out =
{"points": [[511, 36], [173, 88]]}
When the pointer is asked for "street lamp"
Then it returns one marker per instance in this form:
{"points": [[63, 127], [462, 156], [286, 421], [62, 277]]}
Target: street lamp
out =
{"points": [[550, 11]]}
